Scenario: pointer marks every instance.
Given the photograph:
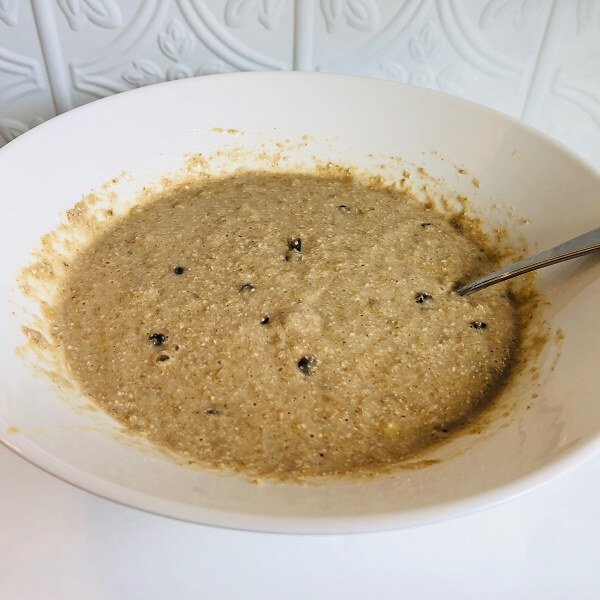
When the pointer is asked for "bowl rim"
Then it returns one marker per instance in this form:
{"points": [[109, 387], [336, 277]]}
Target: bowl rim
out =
{"points": [[121, 494], [315, 75], [326, 525]]}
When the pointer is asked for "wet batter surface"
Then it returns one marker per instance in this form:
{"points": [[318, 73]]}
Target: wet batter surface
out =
{"points": [[286, 325]]}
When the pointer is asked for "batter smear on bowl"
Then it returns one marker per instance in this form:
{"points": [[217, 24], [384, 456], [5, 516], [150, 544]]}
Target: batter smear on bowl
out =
{"points": [[286, 325]]}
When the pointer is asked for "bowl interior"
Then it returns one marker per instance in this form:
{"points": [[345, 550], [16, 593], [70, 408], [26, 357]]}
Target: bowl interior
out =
{"points": [[528, 183]]}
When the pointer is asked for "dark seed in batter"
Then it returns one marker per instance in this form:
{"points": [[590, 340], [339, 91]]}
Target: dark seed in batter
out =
{"points": [[158, 339], [422, 297], [306, 364], [295, 244]]}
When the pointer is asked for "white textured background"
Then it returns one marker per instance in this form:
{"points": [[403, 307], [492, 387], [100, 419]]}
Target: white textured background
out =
{"points": [[538, 60]]}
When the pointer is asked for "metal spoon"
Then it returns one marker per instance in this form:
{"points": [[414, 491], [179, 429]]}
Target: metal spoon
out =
{"points": [[583, 244]]}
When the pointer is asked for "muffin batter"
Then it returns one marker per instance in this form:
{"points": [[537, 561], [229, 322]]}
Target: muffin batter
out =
{"points": [[286, 325]]}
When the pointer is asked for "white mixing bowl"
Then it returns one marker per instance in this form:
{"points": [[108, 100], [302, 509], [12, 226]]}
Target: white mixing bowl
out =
{"points": [[526, 179]]}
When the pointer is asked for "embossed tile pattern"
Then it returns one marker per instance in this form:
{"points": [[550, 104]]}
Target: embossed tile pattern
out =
{"points": [[538, 60], [25, 98]]}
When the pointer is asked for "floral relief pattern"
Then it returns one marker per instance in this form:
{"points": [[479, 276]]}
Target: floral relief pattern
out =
{"points": [[226, 44], [143, 72], [9, 12], [21, 75], [391, 70], [451, 80], [214, 68], [176, 42], [11, 128], [427, 45], [362, 15], [422, 77], [240, 12], [519, 12], [103, 13], [486, 51]]}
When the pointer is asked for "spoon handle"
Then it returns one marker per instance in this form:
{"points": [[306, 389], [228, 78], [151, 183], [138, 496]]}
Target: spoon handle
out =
{"points": [[583, 244]]}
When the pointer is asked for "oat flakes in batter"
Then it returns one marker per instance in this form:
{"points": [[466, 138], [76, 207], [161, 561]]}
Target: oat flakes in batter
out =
{"points": [[286, 325]]}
